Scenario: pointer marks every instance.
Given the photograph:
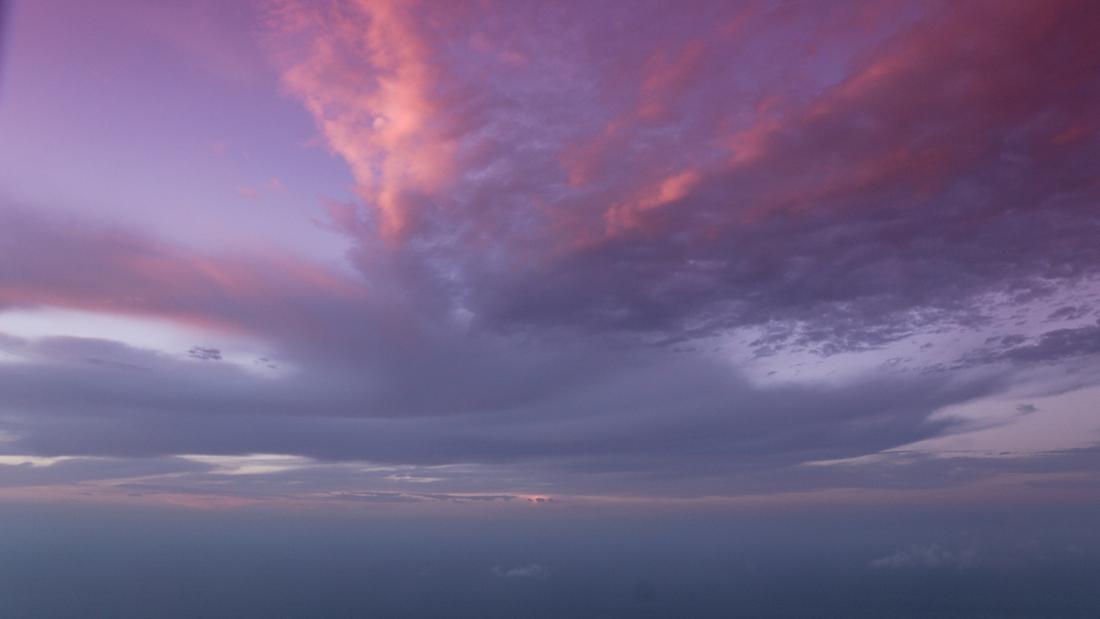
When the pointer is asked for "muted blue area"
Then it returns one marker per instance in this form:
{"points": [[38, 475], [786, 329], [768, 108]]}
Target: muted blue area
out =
{"points": [[61, 562]]}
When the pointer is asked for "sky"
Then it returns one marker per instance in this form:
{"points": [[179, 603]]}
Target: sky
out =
{"points": [[569, 260]]}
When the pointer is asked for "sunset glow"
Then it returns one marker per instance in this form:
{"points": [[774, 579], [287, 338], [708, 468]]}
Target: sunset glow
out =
{"points": [[488, 259]]}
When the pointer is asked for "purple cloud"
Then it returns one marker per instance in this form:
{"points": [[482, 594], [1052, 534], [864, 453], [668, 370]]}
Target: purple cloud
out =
{"points": [[575, 230]]}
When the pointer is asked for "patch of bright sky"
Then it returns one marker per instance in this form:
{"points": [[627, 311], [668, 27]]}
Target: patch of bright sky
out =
{"points": [[163, 336], [1049, 409], [1065, 415], [1014, 425], [33, 461], [260, 464], [251, 464], [1021, 425]]}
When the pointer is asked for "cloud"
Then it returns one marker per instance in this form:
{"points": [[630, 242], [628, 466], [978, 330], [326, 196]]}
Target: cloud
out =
{"points": [[1072, 343], [637, 383], [418, 497], [77, 263], [79, 470], [531, 571], [849, 213], [559, 412], [205, 353], [1059, 344], [1068, 312], [932, 556], [574, 226]]}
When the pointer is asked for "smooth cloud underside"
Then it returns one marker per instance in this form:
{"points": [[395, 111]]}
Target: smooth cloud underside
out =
{"points": [[562, 207]]}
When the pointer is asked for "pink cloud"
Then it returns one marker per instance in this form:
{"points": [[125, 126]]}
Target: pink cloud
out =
{"points": [[75, 265], [367, 74], [552, 194], [662, 128]]}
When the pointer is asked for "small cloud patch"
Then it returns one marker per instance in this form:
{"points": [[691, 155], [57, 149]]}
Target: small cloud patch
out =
{"points": [[531, 571], [1068, 312], [418, 497], [931, 556], [205, 354], [1026, 409]]}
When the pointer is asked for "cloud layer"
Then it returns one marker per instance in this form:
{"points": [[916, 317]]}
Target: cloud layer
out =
{"points": [[576, 231]]}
